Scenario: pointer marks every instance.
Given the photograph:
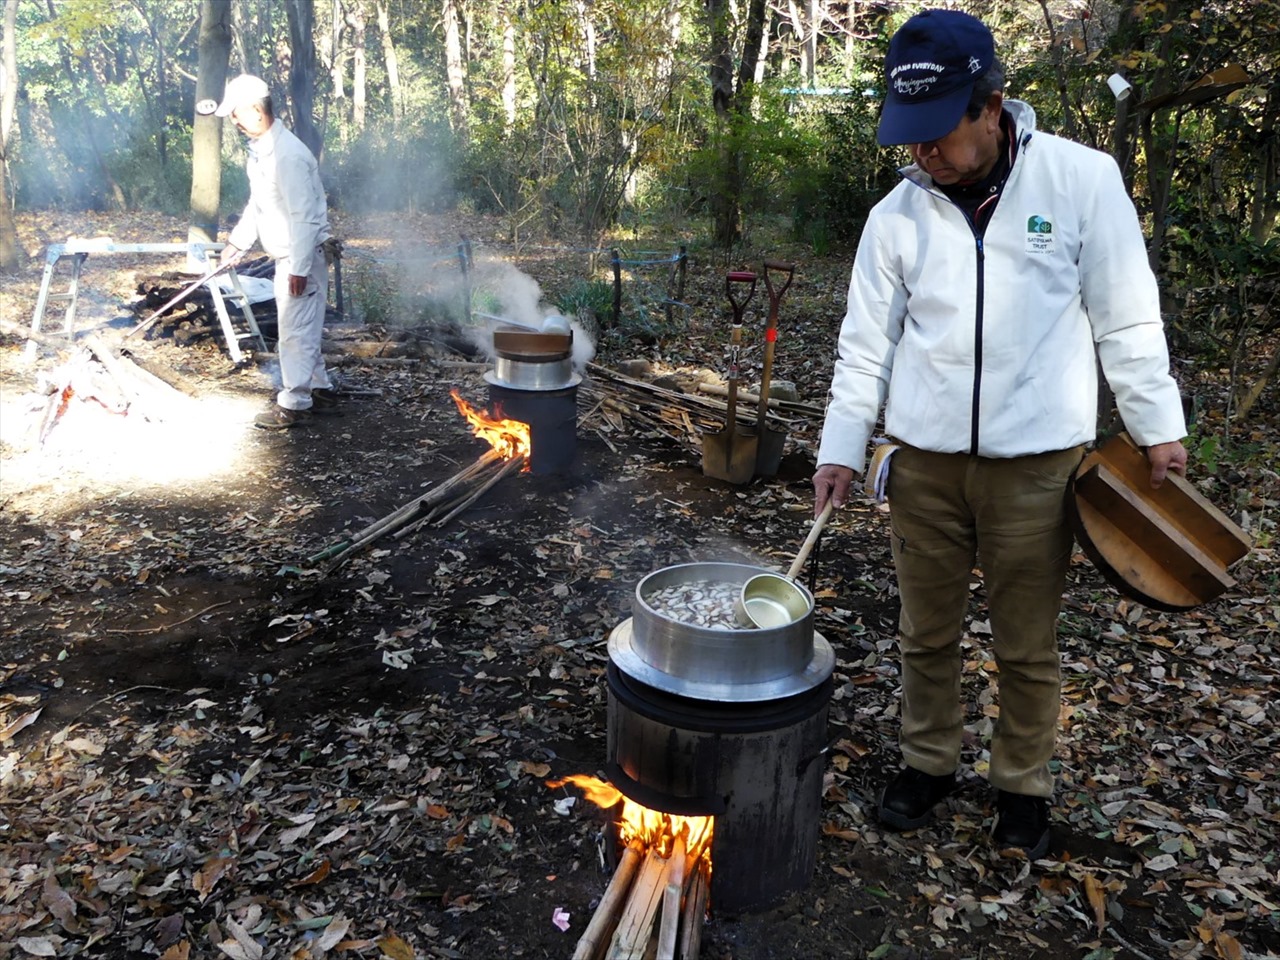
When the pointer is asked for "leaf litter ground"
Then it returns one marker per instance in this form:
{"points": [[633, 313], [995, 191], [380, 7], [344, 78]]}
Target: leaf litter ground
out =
{"points": [[208, 748]]}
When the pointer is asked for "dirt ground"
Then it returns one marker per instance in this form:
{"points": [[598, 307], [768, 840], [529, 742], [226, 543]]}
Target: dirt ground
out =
{"points": [[236, 753]]}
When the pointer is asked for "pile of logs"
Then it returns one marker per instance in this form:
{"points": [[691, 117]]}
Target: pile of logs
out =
{"points": [[437, 506], [194, 316], [654, 906], [619, 403]]}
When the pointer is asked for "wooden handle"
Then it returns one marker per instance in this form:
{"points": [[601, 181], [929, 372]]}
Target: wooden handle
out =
{"points": [[814, 533]]}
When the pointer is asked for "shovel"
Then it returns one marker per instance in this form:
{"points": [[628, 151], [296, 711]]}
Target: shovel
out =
{"points": [[769, 600], [729, 454], [769, 447]]}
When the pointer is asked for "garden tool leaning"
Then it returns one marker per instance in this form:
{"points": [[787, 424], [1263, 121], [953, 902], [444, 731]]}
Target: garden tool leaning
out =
{"points": [[770, 441], [730, 454]]}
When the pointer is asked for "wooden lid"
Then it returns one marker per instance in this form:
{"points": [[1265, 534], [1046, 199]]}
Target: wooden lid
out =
{"points": [[526, 343], [1167, 548]]}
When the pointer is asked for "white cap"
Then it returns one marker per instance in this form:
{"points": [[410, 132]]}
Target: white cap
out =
{"points": [[242, 90]]}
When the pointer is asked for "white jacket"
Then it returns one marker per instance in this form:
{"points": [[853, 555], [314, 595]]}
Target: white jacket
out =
{"points": [[286, 208], [944, 325]]}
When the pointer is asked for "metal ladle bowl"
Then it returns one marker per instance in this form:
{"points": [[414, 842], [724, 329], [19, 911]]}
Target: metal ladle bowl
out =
{"points": [[770, 600]]}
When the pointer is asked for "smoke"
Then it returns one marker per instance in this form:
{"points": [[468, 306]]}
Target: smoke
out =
{"points": [[499, 289]]}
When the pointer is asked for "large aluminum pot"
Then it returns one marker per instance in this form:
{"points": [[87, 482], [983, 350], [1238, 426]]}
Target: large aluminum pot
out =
{"points": [[532, 361], [745, 664]]}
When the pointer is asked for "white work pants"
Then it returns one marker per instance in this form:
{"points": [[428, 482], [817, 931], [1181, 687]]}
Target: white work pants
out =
{"points": [[301, 323]]}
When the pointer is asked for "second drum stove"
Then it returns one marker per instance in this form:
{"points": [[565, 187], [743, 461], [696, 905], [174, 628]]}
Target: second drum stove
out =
{"points": [[532, 381]]}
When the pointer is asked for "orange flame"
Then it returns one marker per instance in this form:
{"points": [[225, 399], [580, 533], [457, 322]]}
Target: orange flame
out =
{"points": [[510, 438], [650, 828]]}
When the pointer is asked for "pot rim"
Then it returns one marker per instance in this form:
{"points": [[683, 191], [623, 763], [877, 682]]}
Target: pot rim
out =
{"points": [[820, 666]]}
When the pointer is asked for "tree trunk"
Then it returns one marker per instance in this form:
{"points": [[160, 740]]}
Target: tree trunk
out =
{"points": [[456, 72], [508, 68], [389, 56], [752, 47], [809, 62], [1265, 205], [1060, 70], [762, 55], [355, 20], [336, 79], [588, 37], [724, 194], [12, 256], [666, 63], [206, 131], [302, 73]]}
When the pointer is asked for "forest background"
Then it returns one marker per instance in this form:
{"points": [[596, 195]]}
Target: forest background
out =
{"points": [[707, 122]]}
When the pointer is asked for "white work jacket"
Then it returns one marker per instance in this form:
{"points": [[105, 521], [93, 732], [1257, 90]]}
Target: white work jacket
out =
{"points": [[286, 208], [984, 343]]}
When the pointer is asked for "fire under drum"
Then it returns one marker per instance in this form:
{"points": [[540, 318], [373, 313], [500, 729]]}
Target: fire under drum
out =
{"points": [[712, 719], [532, 381]]}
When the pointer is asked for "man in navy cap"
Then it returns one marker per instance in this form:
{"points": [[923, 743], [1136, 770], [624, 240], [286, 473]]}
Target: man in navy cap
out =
{"points": [[984, 286]]}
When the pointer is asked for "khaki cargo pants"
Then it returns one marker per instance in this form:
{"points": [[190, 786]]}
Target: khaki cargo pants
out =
{"points": [[949, 511]]}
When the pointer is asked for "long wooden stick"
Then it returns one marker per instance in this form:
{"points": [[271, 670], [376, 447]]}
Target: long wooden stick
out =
{"points": [[596, 937]]}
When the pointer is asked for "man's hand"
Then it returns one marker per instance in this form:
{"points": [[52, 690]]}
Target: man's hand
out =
{"points": [[297, 285], [830, 482], [230, 254], [1164, 457]]}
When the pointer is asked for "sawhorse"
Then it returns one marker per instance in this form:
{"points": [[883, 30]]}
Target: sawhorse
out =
{"points": [[78, 250]]}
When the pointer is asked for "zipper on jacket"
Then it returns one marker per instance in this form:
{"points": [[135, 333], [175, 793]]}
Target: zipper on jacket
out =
{"points": [[977, 344]]}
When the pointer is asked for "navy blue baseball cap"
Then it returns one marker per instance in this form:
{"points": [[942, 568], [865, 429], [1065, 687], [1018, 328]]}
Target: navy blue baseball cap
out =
{"points": [[933, 61]]}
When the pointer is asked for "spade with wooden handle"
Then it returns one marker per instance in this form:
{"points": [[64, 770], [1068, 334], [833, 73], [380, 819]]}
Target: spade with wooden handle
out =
{"points": [[730, 454]]}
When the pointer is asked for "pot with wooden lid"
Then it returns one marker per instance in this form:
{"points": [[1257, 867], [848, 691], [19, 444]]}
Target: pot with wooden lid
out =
{"points": [[1168, 548]]}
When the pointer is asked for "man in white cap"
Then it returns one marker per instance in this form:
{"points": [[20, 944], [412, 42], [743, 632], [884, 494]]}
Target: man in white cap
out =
{"points": [[288, 214], [983, 286]]}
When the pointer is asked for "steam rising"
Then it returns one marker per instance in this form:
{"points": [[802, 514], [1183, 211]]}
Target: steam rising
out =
{"points": [[508, 293]]}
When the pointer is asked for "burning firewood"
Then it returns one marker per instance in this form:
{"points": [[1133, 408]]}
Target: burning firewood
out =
{"points": [[695, 907], [653, 898], [604, 920]]}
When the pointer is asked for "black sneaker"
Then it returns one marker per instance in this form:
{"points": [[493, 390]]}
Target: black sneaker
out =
{"points": [[1022, 822], [281, 418], [325, 402], [908, 801]]}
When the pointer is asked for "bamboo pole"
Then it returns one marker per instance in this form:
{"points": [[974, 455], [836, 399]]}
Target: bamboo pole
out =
{"points": [[596, 937], [436, 495], [508, 467]]}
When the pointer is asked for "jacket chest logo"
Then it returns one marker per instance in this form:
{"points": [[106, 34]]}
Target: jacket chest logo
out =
{"points": [[1039, 235]]}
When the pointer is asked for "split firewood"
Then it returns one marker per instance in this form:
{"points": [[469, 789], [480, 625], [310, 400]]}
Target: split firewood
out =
{"points": [[635, 928], [695, 908], [669, 927], [595, 938]]}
